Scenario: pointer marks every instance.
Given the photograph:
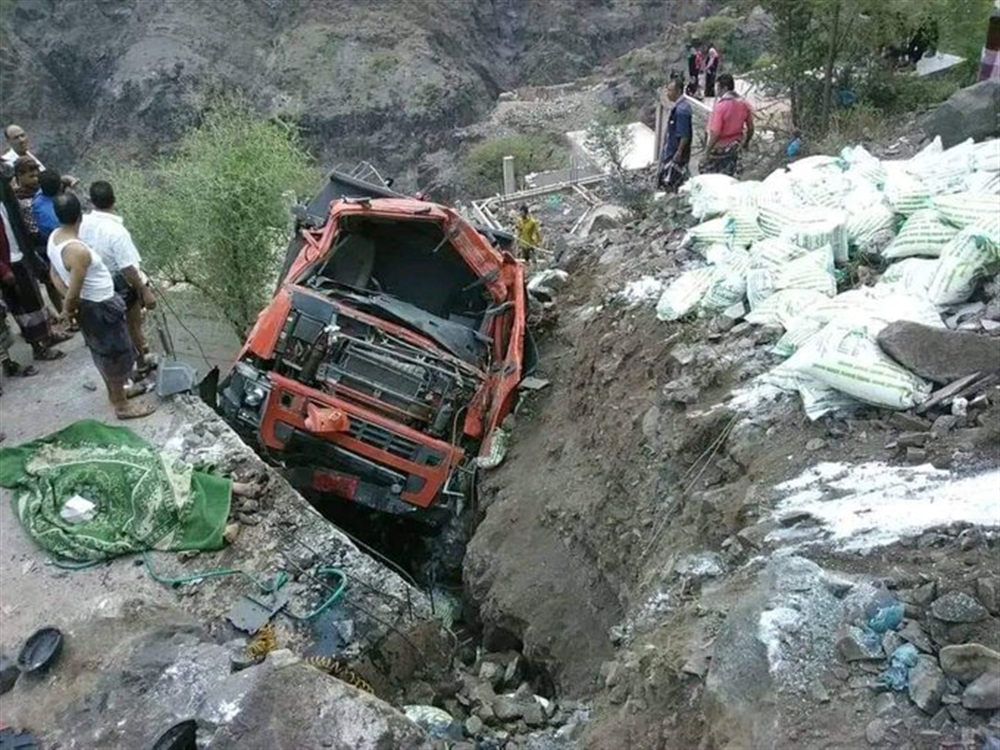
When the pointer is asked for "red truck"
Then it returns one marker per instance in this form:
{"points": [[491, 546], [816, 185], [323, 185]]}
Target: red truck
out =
{"points": [[389, 355]]}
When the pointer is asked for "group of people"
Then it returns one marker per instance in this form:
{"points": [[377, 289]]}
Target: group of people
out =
{"points": [[730, 130], [88, 266], [703, 61]]}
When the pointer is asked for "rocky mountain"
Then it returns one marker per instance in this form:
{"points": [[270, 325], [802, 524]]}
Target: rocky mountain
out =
{"points": [[384, 81]]}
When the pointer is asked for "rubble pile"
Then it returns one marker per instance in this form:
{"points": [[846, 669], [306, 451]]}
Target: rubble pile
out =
{"points": [[492, 703], [778, 252], [752, 575], [916, 653]]}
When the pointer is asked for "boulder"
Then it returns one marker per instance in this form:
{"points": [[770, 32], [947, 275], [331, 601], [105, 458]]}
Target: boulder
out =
{"points": [[984, 692], [777, 641], [146, 668], [968, 661], [437, 722], [957, 606], [507, 708], [491, 672], [973, 112], [474, 726], [938, 354], [602, 218], [854, 644], [913, 633], [295, 705], [927, 684]]}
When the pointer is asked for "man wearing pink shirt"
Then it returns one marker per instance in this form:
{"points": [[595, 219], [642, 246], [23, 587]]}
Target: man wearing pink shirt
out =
{"points": [[730, 129]]}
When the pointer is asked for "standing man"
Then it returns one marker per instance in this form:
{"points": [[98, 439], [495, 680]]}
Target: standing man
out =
{"points": [[529, 233], [91, 299], [17, 139], [712, 63], [730, 128], [27, 174], [50, 185], [694, 62], [103, 231], [18, 284], [676, 153]]}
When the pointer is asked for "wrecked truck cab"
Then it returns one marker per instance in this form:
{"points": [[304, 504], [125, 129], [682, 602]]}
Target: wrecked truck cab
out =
{"points": [[386, 360]]}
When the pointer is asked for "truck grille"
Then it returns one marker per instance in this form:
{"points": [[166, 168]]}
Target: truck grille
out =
{"points": [[381, 438], [377, 371]]}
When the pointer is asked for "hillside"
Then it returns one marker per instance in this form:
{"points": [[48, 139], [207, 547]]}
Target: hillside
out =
{"points": [[385, 82]]}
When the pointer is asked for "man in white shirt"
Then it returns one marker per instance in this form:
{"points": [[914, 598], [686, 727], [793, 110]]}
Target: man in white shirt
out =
{"points": [[91, 300], [17, 139], [105, 233]]}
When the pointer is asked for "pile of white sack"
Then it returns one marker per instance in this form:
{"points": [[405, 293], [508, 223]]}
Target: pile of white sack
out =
{"points": [[775, 244]]}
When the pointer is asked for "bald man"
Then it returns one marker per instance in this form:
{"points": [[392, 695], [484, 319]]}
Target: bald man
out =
{"points": [[17, 139]]}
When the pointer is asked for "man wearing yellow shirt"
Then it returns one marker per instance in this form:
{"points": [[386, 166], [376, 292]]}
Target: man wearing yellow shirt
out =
{"points": [[529, 233]]}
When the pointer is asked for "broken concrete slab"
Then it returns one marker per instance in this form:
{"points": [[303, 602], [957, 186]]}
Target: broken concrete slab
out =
{"points": [[600, 218], [287, 703], [291, 536], [531, 383], [937, 354]]}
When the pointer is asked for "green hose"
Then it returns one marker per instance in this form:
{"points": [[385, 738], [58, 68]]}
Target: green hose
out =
{"points": [[280, 579], [272, 587], [330, 600], [267, 588]]}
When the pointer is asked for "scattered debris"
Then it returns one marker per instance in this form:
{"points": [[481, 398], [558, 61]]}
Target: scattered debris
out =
{"points": [[531, 383]]}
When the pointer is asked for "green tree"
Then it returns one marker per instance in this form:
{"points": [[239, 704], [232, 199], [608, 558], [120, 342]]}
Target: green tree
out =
{"points": [[820, 46], [216, 213], [482, 165], [609, 139]]}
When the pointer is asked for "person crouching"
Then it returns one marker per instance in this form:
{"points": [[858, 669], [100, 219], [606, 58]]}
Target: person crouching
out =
{"points": [[90, 299]]}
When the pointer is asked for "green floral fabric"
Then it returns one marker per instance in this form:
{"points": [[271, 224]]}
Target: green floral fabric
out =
{"points": [[144, 499]]}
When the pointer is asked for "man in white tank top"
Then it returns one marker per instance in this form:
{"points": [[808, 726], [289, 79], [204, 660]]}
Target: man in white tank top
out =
{"points": [[91, 300]]}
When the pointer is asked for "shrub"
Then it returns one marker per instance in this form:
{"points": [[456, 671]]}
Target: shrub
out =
{"points": [[715, 29], [215, 214], [893, 93], [608, 138], [482, 165], [859, 124]]}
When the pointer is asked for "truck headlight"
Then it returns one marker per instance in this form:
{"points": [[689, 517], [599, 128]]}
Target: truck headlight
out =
{"points": [[254, 395]]}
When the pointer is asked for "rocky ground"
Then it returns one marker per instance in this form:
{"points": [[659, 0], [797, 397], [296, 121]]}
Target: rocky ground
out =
{"points": [[705, 569], [667, 557], [179, 642]]}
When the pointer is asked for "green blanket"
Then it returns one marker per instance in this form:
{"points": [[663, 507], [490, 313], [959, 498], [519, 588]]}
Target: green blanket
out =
{"points": [[145, 500]]}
